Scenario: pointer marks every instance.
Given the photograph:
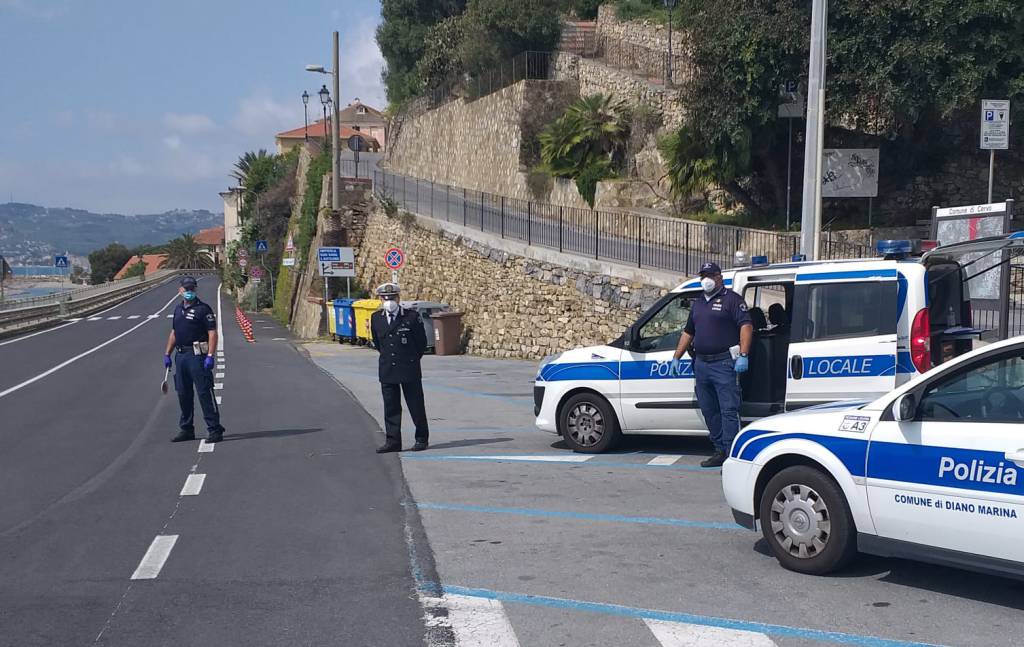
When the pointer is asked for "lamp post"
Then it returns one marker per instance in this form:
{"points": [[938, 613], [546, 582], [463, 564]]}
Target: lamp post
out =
{"points": [[669, 5], [335, 148], [305, 115], [810, 215], [325, 98]]}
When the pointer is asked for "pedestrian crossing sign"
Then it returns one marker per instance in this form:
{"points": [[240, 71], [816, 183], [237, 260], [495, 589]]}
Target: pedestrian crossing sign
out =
{"points": [[60, 261], [261, 246]]}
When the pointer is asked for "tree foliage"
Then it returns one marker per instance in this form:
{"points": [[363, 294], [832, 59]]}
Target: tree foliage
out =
{"points": [[136, 270], [107, 261], [185, 253], [402, 37]]}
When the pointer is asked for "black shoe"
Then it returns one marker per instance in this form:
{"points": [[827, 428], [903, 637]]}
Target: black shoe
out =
{"points": [[184, 436], [715, 460], [384, 449], [419, 446], [214, 438]]}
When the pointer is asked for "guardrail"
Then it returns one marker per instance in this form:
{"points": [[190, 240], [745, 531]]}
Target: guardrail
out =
{"points": [[73, 293], [79, 303]]}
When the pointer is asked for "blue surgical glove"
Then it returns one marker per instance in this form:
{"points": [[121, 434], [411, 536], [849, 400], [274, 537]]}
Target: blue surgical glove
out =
{"points": [[677, 367], [167, 361], [208, 363], [742, 364]]}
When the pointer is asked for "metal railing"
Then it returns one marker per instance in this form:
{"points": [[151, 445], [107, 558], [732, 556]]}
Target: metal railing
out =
{"points": [[523, 66], [69, 294], [646, 62], [666, 244]]}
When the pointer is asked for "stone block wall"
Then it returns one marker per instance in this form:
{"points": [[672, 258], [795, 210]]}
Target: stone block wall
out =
{"points": [[514, 306]]}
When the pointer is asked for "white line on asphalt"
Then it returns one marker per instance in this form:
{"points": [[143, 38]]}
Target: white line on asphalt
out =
{"points": [[479, 622], [11, 341], [279, 339], [92, 350], [220, 353], [567, 458], [663, 460], [220, 324], [218, 386], [679, 634], [220, 367], [155, 557], [193, 485], [134, 316], [152, 316], [114, 318], [218, 376], [170, 316], [218, 399], [75, 320], [205, 447], [95, 318]]}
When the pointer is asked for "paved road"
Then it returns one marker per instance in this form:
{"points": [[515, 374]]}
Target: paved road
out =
{"points": [[638, 547], [291, 532]]}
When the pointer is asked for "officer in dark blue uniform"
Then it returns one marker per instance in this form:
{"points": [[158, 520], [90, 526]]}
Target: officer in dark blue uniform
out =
{"points": [[399, 337], [193, 341], [718, 322]]}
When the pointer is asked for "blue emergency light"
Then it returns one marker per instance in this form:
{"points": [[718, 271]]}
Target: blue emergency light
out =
{"points": [[758, 261], [799, 258], [894, 248]]}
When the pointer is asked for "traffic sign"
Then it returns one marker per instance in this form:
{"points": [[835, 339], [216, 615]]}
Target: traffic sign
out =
{"points": [[256, 272], [256, 279], [355, 143], [394, 258], [261, 247], [60, 261], [337, 261], [995, 125], [242, 262], [243, 252], [288, 262], [290, 245]]}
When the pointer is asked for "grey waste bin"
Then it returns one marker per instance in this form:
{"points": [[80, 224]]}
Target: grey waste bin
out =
{"points": [[427, 309]]}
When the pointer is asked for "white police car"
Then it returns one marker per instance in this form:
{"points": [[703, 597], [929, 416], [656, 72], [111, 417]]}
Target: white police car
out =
{"points": [[932, 471], [823, 331]]}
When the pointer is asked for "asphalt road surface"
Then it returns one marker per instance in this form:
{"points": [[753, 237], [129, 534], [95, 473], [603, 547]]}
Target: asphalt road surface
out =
{"points": [[290, 532]]}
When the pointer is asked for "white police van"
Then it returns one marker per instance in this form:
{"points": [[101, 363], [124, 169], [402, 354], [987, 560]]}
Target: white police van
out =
{"points": [[932, 471], [823, 331]]}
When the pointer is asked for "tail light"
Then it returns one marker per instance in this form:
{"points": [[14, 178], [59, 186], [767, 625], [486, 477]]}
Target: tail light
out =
{"points": [[920, 341]]}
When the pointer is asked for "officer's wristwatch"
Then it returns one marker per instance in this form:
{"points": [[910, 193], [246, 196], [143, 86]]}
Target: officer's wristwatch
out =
{"points": [[743, 354]]}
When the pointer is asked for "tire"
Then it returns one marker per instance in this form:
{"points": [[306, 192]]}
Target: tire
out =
{"points": [[806, 521], [588, 424]]}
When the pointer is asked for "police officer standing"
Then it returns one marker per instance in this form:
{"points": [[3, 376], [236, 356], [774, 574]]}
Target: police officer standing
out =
{"points": [[718, 323], [193, 341], [399, 337]]}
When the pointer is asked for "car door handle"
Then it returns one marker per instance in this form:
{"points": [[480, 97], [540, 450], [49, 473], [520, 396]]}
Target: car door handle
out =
{"points": [[796, 367], [1016, 457]]}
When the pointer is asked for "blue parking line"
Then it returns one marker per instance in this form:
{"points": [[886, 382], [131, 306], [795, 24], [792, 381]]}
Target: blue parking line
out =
{"points": [[785, 631], [585, 516], [590, 463]]}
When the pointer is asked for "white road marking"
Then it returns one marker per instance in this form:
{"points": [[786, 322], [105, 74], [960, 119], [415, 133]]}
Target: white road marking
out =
{"points": [[134, 316], [92, 350], [152, 316], [217, 398], [663, 460], [220, 367], [95, 318], [193, 485], [267, 327], [679, 634], [218, 376], [114, 318], [76, 319], [479, 622], [566, 458], [205, 447], [155, 557], [279, 339], [218, 386], [220, 353], [70, 322]]}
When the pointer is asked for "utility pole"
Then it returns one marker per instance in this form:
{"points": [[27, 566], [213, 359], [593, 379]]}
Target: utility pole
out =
{"points": [[810, 215], [335, 144]]}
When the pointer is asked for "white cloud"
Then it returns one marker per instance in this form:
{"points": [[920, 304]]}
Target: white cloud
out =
{"points": [[172, 142], [189, 123], [361, 66], [38, 9], [263, 116]]}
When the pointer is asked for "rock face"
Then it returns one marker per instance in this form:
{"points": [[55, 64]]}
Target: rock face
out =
{"points": [[514, 306]]}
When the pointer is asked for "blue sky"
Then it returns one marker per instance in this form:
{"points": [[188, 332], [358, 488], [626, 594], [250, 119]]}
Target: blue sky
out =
{"points": [[143, 106]]}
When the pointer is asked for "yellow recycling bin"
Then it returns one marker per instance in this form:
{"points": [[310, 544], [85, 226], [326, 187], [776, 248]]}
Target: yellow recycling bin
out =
{"points": [[332, 321], [363, 309]]}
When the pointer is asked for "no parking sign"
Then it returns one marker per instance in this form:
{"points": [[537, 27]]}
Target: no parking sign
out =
{"points": [[394, 258]]}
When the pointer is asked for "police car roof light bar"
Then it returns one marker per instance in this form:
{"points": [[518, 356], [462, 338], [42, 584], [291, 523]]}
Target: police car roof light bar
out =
{"points": [[894, 249], [758, 261]]}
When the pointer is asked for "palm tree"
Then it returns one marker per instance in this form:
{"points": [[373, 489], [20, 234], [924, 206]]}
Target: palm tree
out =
{"points": [[185, 253], [694, 164], [247, 163]]}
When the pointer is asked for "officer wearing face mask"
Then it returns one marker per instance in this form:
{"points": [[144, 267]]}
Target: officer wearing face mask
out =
{"points": [[718, 323], [399, 337], [193, 343]]}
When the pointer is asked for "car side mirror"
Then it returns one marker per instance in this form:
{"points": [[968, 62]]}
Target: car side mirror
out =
{"points": [[905, 408]]}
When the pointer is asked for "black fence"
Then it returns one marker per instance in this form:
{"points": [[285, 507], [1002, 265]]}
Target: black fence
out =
{"points": [[666, 244]]}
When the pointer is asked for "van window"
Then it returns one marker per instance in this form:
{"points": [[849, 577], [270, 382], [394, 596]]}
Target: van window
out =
{"points": [[662, 331], [840, 310]]}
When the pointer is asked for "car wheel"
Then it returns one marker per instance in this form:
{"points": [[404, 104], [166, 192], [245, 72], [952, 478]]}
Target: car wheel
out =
{"points": [[588, 424], [806, 520]]}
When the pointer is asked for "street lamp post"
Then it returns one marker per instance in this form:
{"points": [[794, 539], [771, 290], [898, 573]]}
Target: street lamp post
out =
{"points": [[810, 216], [325, 98], [305, 115], [669, 5]]}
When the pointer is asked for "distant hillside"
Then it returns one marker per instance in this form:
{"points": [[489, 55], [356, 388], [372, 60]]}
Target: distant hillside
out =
{"points": [[30, 234]]}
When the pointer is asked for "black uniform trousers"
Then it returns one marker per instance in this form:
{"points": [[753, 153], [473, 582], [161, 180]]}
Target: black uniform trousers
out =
{"points": [[393, 411], [188, 374]]}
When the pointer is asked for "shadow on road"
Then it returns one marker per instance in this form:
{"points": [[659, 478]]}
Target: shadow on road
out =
{"points": [[469, 443], [686, 446], [270, 433]]}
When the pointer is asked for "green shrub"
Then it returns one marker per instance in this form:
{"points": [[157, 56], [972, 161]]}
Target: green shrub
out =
{"points": [[318, 166]]}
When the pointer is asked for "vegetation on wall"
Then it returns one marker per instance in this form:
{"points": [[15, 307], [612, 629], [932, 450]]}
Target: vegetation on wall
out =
{"points": [[135, 271], [308, 213]]}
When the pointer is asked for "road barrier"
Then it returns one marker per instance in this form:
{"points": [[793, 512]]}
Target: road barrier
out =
{"points": [[245, 325]]}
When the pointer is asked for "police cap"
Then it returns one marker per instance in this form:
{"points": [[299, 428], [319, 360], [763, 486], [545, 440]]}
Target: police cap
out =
{"points": [[388, 291], [188, 282], [710, 269]]}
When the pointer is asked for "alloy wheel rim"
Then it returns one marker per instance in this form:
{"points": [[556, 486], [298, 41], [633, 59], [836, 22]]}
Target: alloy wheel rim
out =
{"points": [[586, 425], [800, 521]]}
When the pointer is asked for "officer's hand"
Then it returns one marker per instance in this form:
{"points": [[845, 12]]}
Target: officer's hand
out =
{"points": [[677, 367], [167, 361], [208, 363], [742, 364]]}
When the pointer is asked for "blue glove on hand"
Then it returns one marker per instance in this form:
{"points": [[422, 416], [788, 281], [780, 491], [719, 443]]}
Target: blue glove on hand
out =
{"points": [[742, 364], [167, 361], [208, 363], [677, 367]]}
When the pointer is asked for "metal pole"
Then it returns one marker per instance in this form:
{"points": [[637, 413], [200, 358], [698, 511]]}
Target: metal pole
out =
{"points": [[789, 175], [327, 325], [348, 287], [335, 148], [991, 172], [305, 121], [811, 204], [668, 59], [817, 178]]}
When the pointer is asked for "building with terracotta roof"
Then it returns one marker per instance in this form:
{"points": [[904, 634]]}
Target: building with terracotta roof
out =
{"points": [[365, 119], [212, 240], [289, 139], [152, 262]]}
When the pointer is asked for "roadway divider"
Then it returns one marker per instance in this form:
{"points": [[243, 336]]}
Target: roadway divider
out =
{"points": [[245, 325], [26, 319]]}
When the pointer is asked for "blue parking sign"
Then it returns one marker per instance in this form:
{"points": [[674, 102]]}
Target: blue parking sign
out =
{"points": [[60, 261], [261, 246]]}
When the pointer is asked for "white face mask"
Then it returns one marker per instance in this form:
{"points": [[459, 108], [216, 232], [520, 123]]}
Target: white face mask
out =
{"points": [[391, 307], [708, 284]]}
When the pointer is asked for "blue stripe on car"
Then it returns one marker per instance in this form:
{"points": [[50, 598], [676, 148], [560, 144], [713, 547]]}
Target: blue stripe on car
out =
{"points": [[852, 274]]}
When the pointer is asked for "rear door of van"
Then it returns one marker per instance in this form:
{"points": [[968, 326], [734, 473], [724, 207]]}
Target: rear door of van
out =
{"points": [[843, 343]]}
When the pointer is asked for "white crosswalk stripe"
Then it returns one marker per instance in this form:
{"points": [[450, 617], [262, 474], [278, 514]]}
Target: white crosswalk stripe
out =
{"points": [[476, 622], [681, 634], [134, 316], [94, 318], [114, 318], [663, 460]]}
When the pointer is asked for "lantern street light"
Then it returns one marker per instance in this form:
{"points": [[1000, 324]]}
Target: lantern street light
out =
{"points": [[325, 99]]}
